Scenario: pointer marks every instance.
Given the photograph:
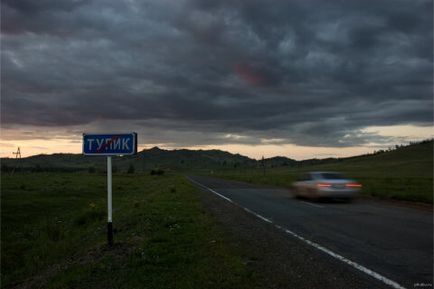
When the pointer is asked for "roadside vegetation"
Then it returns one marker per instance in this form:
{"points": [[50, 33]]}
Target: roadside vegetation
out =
{"points": [[53, 229], [404, 173], [53, 224]]}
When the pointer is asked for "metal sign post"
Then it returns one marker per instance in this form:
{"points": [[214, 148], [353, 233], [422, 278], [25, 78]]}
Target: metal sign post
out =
{"points": [[110, 145], [109, 202]]}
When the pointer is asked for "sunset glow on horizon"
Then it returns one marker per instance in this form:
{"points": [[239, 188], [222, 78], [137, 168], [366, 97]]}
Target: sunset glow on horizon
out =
{"points": [[61, 144]]}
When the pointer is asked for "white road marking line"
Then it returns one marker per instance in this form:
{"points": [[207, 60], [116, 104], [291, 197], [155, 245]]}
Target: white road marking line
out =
{"points": [[343, 259], [314, 205], [313, 244], [211, 190], [257, 215]]}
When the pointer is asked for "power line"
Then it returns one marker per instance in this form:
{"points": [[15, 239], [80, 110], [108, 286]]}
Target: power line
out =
{"points": [[17, 158]]}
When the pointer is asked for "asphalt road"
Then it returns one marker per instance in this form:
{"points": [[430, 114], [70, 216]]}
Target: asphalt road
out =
{"points": [[386, 241]]}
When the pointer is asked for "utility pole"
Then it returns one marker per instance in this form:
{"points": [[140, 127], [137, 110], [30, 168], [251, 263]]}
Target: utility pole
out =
{"points": [[17, 157], [263, 165]]}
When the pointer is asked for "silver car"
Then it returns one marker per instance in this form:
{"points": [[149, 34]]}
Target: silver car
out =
{"points": [[318, 185]]}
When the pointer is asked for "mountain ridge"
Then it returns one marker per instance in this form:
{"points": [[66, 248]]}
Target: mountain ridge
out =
{"points": [[156, 157]]}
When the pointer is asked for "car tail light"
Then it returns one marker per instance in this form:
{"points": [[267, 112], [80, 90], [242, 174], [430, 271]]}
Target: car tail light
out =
{"points": [[324, 185], [354, 185]]}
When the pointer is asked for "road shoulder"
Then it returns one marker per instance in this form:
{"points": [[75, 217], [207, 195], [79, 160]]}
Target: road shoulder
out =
{"points": [[279, 260]]}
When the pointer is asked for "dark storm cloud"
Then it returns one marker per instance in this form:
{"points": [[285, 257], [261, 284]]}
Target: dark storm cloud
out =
{"points": [[212, 72]]}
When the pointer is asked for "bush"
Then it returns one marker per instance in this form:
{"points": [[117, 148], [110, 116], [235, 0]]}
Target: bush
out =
{"points": [[5, 168], [157, 172], [131, 169], [93, 213]]}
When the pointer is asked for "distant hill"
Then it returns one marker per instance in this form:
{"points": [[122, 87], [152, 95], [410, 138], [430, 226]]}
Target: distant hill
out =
{"points": [[417, 153], [144, 160], [184, 158], [279, 162]]}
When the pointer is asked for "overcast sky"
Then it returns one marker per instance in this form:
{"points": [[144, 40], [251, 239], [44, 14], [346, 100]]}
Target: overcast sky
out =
{"points": [[327, 74]]}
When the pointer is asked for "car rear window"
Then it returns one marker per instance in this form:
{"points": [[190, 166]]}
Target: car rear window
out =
{"points": [[332, 176]]}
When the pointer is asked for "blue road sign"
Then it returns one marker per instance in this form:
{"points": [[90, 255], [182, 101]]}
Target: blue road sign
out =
{"points": [[110, 144]]}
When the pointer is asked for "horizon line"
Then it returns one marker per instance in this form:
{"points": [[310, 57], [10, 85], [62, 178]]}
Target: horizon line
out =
{"points": [[390, 148]]}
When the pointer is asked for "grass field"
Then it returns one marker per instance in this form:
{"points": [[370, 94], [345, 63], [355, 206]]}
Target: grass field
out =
{"points": [[53, 225], [403, 174], [54, 235]]}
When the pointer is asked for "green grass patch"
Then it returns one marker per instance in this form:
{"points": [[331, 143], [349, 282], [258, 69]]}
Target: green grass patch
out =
{"points": [[54, 234]]}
